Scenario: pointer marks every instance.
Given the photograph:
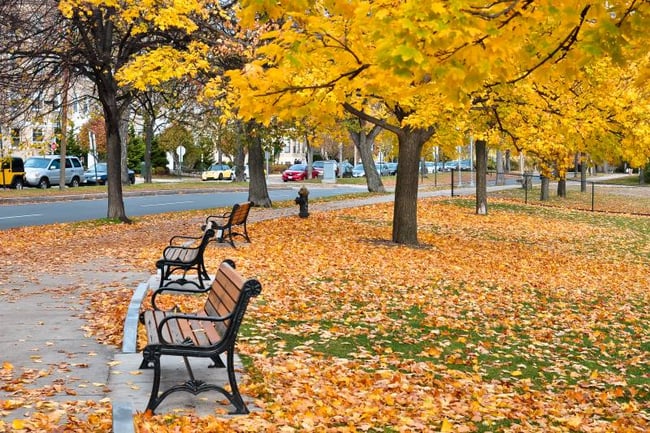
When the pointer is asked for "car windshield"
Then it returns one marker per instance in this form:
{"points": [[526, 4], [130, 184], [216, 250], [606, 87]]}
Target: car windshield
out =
{"points": [[298, 167], [215, 167], [37, 162]]}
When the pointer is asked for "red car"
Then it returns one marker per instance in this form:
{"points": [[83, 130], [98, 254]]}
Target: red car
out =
{"points": [[299, 172]]}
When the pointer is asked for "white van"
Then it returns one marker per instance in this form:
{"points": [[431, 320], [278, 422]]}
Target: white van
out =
{"points": [[43, 171]]}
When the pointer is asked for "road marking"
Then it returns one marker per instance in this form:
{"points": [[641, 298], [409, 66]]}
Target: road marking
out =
{"points": [[168, 203], [22, 216]]}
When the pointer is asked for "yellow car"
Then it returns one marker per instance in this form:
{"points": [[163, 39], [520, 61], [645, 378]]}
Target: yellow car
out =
{"points": [[218, 172], [12, 172]]}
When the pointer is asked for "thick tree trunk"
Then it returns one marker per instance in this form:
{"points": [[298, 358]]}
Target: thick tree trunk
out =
{"points": [[481, 177], [107, 91], [561, 187], [258, 192], [405, 211], [544, 194]]}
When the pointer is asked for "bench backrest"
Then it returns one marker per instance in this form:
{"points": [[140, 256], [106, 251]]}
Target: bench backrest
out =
{"points": [[239, 213], [229, 296]]}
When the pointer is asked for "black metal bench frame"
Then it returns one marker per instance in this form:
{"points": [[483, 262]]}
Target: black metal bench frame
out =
{"points": [[205, 334], [185, 253], [231, 224]]}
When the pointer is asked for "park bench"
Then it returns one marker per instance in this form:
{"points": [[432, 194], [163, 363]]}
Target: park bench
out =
{"points": [[205, 334], [185, 253], [230, 224]]}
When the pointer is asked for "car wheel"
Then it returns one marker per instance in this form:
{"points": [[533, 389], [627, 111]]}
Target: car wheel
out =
{"points": [[18, 184], [220, 176], [75, 182], [43, 183]]}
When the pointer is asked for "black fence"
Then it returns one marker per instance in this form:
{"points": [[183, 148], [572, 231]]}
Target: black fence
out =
{"points": [[597, 194]]}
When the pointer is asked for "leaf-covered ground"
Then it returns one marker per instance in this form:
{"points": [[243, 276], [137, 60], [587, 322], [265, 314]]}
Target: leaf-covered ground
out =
{"points": [[525, 320]]}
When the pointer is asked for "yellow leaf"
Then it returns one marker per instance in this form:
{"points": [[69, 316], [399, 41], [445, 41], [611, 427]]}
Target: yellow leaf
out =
{"points": [[446, 427], [18, 424]]}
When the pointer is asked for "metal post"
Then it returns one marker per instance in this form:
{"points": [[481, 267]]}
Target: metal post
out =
{"points": [[593, 194], [452, 183]]}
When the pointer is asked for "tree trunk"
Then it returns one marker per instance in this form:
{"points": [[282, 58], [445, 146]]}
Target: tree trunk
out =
{"points": [[124, 140], [310, 157], [363, 142], [258, 192], [501, 178], [543, 188], [405, 211], [481, 177], [107, 92], [561, 187], [148, 141]]}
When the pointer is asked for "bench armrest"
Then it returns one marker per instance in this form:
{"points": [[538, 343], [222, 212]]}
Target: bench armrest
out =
{"points": [[181, 290], [179, 240], [216, 220]]}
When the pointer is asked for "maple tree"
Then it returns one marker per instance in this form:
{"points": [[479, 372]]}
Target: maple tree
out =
{"points": [[419, 65]]}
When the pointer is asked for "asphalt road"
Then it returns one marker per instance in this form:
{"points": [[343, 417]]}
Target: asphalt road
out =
{"points": [[43, 213]]}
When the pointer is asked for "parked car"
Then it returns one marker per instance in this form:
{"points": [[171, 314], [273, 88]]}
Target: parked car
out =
{"points": [[43, 171], [13, 170], [98, 174], [392, 168], [359, 171], [464, 164], [218, 172], [298, 172]]}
